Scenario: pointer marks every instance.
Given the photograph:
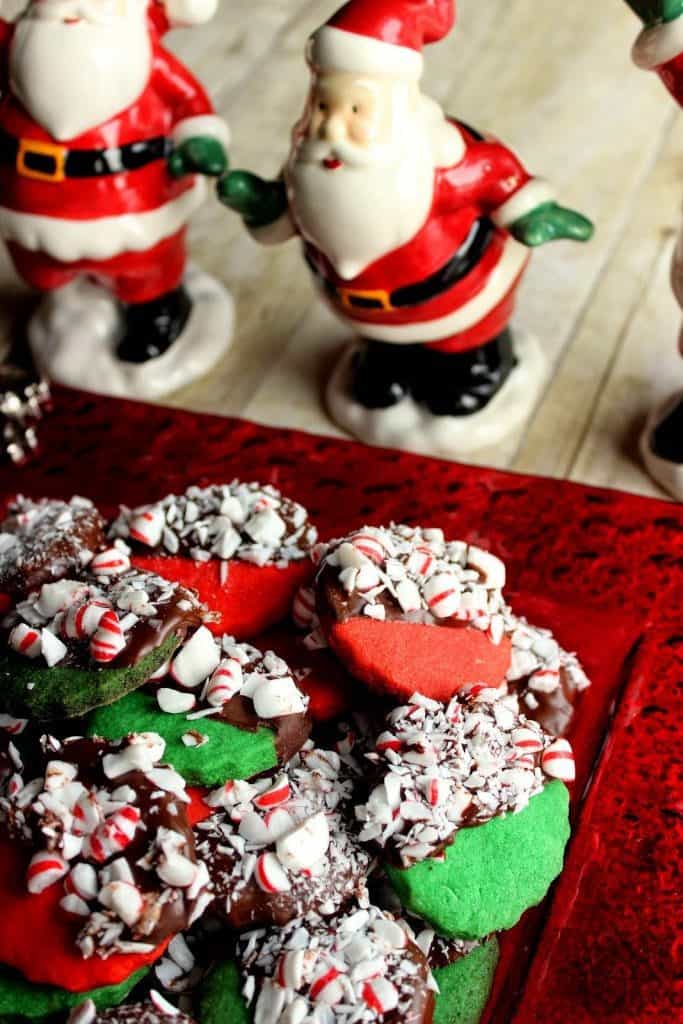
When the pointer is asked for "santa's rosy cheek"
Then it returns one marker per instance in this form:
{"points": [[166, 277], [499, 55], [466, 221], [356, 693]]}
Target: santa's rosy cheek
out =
{"points": [[361, 132]]}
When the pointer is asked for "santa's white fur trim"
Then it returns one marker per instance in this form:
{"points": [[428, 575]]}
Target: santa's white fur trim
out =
{"points": [[658, 44], [205, 124], [279, 231], [189, 12], [100, 238], [512, 262], [524, 200], [333, 49]]}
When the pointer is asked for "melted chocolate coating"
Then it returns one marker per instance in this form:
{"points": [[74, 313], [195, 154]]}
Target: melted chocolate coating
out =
{"points": [[291, 731], [553, 711], [140, 1013], [46, 551]]}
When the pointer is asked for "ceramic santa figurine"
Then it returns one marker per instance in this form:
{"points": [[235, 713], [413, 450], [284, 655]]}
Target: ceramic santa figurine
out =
{"points": [[106, 140], [659, 47], [417, 231]]}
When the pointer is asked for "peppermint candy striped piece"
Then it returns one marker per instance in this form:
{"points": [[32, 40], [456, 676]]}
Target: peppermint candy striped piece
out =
{"points": [[442, 593], [305, 845], [82, 620], [114, 835], [290, 969], [112, 562], [27, 641], [147, 526], [326, 988], [44, 870], [277, 794], [557, 761], [380, 995], [108, 640], [225, 682], [270, 875]]}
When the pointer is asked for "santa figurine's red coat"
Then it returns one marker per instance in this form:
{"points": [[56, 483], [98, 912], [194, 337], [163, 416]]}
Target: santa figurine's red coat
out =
{"points": [[125, 226], [452, 286]]}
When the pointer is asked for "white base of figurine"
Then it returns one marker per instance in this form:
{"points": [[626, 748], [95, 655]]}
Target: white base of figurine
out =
{"points": [[412, 427], [668, 475], [75, 331]]}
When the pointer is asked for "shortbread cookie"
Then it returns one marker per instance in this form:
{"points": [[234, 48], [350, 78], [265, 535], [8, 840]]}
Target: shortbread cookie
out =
{"points": [[226, 711], [404, 609], [79, 643], [469, 811], [361, 965], [283, 847], [97, 859], [244, 548], [46, 540]]}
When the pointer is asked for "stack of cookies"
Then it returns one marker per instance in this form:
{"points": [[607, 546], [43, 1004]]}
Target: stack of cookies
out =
{"points": [[247, 775]]}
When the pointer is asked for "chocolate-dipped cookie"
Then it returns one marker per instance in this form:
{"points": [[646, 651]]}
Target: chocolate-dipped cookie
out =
{"points": [[360, 966], [243, 547], [157, 1011], [79, 643], [470, 811], [283, 847], [225, 709], [402, 607], [46, 540], [97, 857]]}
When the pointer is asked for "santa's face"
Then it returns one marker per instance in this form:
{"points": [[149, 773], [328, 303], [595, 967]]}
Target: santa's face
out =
{"points": [[75, 64], [360, 174]]}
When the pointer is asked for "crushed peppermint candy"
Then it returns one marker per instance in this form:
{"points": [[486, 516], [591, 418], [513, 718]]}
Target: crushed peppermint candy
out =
{"points": [[443, 768], [354, 969], [410, 573], [96, 620], [282, 847], [247, 521], [217, 676], [157, 1011], [43, 541], [108, 823]]}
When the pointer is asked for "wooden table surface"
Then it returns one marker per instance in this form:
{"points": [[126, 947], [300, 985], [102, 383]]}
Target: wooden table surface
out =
{"points": [[554, 81]]}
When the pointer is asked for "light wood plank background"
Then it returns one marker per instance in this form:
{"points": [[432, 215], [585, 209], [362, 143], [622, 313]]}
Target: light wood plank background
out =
{"points": [[553, 80]]}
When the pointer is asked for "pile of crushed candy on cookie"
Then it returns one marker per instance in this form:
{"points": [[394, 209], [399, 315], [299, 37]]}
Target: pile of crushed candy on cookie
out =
{"points": [[250, 775]]}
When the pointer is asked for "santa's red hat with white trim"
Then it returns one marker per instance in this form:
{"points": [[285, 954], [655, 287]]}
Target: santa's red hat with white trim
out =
{"points": [[168, 14], [380, 36]]}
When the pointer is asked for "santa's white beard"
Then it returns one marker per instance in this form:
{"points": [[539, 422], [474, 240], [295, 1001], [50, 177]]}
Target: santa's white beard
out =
{"points": [[72, 78], [375, 203]]}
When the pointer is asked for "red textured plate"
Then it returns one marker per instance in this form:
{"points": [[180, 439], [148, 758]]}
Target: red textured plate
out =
{"points": [[603, 569]]}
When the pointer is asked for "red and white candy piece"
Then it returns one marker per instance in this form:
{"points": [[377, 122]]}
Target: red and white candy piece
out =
{"points": [[557, 761], [380, 995], [278, 794], [225, 682], [421, 562], [305, 845], [196, 659], [114, 835], [82, 882], [81, 620], [545, 680], [108, 640], [327, 988], [304, 613], [526, 741], [25, 640], [387, 741], [369, 545], [44, 870], [270, 875], [56, 597], [442, 594], [87, 814], [437, 791], [290, 969], [147, 526], [112, 562]]}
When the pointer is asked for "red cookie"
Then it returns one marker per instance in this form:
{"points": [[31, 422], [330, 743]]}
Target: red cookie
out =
{"points": [[97, 857], [407, 611], [244, 548]]}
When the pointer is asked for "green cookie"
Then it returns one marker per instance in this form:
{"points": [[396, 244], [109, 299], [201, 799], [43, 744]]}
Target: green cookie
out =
{"points": [[464, 985], [221, 1000], [230, 753], [22, 1000], [492, 873], [31, 691]]}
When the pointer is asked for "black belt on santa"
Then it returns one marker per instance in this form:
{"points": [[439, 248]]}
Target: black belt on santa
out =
{"points": [[455, 269], [48, 161]]}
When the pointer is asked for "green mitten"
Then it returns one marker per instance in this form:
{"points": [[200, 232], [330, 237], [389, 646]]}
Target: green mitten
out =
{"points": [[258, 201], [549, 222], [199, 155]]}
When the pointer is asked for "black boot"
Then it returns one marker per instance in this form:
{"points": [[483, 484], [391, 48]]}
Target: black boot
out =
{"points": [[382, 373], [667, 438], [152, 327], [462, 383]]}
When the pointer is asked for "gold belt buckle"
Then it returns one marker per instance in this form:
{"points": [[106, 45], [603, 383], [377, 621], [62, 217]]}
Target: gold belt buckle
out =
{"points": [[380, 295], [38, 148]]}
